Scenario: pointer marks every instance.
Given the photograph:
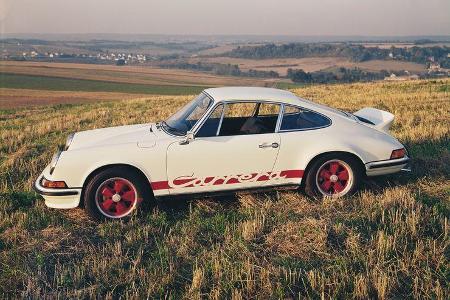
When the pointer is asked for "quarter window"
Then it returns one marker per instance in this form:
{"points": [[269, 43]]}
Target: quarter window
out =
{"points": [[295, 118]]}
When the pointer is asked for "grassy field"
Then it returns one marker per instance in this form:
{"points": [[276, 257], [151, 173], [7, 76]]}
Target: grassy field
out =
{"points": [[389, 241], [35, 82], [123, 74]]}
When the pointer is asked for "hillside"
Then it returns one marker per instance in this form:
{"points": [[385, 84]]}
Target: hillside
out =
{"points": [[389, 241]]}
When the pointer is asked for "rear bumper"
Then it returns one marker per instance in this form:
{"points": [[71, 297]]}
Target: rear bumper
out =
{"points": [[58, 198], [390, 166]]}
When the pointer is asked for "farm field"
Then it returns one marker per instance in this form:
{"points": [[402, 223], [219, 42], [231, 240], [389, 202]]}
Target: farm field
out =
{"points": [[123, 74], [312, 64], [280, 65], [389, 241], [21, 98]]}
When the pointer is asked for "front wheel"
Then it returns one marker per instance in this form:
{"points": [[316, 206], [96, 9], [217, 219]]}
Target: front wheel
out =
{"points": [[115, 193], [333, 175]]}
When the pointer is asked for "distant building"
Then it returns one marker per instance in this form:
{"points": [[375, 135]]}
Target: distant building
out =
{"points": [[434, 67], [394, 77]]}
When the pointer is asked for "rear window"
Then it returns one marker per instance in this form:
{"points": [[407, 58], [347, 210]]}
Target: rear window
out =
{"points": [[295, 118]]}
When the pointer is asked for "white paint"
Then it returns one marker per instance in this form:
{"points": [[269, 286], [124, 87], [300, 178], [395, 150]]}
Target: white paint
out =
{"points": [[162, 158]]}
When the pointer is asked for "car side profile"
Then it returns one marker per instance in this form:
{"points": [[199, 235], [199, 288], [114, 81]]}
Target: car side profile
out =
{"points": [[224, 140]]}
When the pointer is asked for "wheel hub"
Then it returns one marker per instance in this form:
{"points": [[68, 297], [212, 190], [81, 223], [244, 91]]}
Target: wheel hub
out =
{"points": [[334, 178], [116, 198]]}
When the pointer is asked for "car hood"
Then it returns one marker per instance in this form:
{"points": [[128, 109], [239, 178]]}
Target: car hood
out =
{"points": [[141, 134]]}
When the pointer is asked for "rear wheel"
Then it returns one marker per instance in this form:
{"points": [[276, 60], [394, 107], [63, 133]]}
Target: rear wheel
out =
{"points": [[115, 193], [333, 175]]}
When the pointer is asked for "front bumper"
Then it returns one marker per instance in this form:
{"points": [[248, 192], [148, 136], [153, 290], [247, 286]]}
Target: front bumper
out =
{"points": [[58, 198], [389, 166]]}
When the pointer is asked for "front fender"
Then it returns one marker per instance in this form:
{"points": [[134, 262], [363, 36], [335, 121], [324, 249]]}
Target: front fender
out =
{"points": [[74, 166]]}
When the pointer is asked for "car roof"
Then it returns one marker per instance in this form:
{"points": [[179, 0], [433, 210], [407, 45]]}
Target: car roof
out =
{"points": [[268, 95], [252, 93]]}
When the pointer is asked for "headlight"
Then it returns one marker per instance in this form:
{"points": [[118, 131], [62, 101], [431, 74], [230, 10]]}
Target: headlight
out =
{"points": [[69, 141], [54, 161]]}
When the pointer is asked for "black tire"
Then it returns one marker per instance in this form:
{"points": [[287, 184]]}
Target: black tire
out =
{"points": [[316, 183], [122, 181]]}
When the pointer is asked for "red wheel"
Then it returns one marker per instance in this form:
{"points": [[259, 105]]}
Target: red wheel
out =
{"points": [[116, 193], [334, 178], [333, 175], [116, 197]]}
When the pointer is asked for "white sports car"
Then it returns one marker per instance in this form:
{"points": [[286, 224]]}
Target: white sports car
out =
{"points": [[225, 140]]}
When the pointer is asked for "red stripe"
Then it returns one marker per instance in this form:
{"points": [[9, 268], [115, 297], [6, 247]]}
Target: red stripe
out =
{"points": [[160, 185], [293, 173], [164, 185]]}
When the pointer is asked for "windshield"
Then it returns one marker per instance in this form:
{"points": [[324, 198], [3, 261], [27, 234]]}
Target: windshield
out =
{"points": [[184, 119]]}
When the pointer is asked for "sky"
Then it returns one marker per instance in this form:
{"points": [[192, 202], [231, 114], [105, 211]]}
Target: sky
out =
{"points": [[228, 17]]}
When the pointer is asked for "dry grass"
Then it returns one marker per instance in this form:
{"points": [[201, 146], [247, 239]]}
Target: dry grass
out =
{"points": [[389, 241], [15, 98]]}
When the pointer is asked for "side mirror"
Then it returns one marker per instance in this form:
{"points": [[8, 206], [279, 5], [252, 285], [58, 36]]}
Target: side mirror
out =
{"points": [[188, 138]]}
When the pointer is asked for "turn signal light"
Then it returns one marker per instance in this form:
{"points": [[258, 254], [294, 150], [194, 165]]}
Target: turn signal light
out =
{"points": [[53, 184], [399, 153]]}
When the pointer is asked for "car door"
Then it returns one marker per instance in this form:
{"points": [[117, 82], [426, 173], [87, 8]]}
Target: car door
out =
{"points": [[235, 148], [301, 131]]}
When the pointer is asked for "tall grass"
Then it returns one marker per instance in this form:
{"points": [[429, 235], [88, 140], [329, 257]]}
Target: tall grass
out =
{"points": [[389, 241]]}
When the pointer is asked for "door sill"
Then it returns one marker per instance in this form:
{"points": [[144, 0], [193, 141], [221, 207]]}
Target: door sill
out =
{"points": [[232, 192]]}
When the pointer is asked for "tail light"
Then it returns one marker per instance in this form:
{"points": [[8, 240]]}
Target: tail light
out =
{"points": [[399, 153]]}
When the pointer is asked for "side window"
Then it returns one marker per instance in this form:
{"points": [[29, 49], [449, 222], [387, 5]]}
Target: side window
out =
{"points": [[209, 128], [267, 116], [295, 118], [235, 116], [249, 118], [268, 109]]}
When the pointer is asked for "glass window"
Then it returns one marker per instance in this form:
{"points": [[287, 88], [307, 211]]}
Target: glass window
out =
{"points": [[183, 120], [268, 109], [295, 118], [249, 118], [210, 126]]}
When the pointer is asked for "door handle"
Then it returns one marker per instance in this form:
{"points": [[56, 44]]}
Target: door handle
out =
{"points": [[267, 145]]}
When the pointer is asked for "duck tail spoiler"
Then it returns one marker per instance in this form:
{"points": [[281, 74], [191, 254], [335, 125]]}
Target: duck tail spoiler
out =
{"points": [[380, 119]]}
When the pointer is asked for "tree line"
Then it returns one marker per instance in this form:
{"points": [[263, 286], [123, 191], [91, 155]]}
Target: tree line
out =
{"points": [[221, 69], [338, 75], [357, 53]]}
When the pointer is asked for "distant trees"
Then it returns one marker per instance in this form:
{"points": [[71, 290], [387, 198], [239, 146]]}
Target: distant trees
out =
{"points": [[299, 76], [337, 75], [221, 69], [353, 52], [120, 62]]}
